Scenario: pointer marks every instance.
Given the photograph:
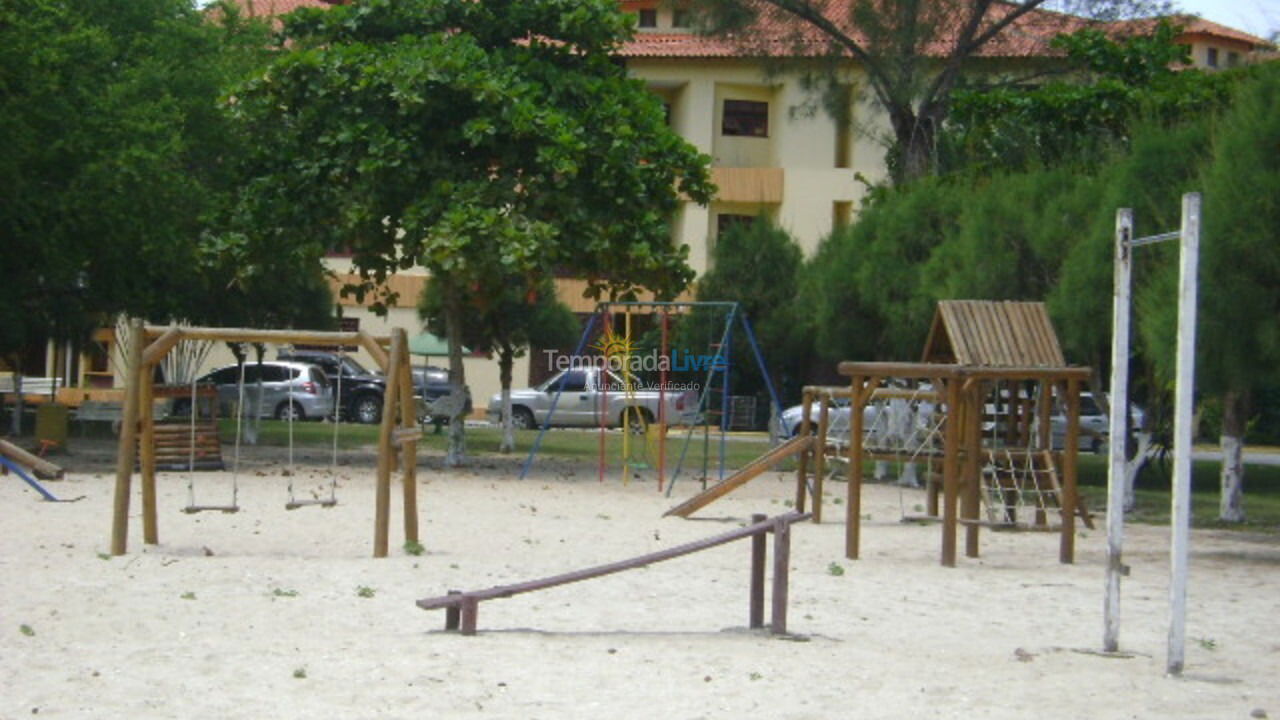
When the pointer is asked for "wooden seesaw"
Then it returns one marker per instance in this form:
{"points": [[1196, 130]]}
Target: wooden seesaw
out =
{"points": [[461, 608]]}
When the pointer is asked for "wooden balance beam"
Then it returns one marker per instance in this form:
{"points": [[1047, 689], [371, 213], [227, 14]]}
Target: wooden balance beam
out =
{"points": [[794, 446], [461, 608]]}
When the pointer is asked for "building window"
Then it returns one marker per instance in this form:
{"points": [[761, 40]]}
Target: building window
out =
{"points": [[1211, 57], [680, 18], [725, 221], [841, 215], [1233, 59], [746, 118], [649, 18]]}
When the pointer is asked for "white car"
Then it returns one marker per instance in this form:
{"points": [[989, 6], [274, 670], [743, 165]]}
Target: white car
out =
{"points": [[1095, 425]]}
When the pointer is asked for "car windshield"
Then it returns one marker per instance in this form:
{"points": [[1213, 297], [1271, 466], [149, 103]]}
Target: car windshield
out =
{"points": [[351, 367]]}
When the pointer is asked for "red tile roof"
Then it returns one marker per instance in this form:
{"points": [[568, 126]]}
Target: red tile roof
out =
{"points": [[775, 35], [275, 8]]}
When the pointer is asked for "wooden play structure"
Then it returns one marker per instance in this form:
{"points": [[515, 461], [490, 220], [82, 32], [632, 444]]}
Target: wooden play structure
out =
{"points": [[399, 431], [982, 400], [462, 608]]}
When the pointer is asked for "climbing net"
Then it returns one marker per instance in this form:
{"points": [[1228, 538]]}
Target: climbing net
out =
{"points": [[1019, 483]]}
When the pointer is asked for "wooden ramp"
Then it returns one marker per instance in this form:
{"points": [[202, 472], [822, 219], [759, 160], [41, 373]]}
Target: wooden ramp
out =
{"points": [[794, 446]]}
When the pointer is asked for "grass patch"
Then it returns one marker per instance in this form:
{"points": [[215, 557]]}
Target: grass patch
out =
{"points": [[1152, 494]]}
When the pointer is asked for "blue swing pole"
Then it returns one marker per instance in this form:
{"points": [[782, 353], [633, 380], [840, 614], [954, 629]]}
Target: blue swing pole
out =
{"points": [[776, 409], [555, 400], [35, 485]]}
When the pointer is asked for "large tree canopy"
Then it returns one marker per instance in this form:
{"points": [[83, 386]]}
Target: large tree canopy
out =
{"points": [[114, 154], [474, 138], [479, 138]]}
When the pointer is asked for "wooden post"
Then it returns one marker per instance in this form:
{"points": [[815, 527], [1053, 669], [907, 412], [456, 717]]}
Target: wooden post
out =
{"points": [[1120, 304], [409, 449], [453, 614], [147, 443], [128, 443], [469, 610], [969, 506], [820, 455], [1070, 452], [755, 614], [386, 450], [1180, 504], [858, 396], [781, 569], [802, 465], [951, 471]]}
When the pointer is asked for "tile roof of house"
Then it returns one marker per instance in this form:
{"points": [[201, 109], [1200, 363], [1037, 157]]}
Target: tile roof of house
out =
{"points": [[274, 8], [773, 36]]}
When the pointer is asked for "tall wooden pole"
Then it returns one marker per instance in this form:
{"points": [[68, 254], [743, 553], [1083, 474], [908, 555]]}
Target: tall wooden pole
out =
{"points": [[409, 448], [1070, 455], [1118, 431], [147, 451], [859, 394], [820, 454], [802, 464], [972, 486], [1180, 511], [951, 470], [127, 447], [386, 448]]}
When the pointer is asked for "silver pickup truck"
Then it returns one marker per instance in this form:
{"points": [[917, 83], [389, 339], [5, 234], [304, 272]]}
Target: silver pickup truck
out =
{"points": [[583, 401]]}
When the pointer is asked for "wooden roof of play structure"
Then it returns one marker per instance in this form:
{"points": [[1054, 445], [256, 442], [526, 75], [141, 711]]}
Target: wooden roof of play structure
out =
{"points": [[994, 334]]}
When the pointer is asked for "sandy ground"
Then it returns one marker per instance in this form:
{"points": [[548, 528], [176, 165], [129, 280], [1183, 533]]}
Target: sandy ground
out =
{"points": [[261, 615]]}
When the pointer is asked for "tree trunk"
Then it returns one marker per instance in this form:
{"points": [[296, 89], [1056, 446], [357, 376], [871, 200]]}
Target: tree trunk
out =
{"points": [[914, 137], [456, 456], [506, 358], [15, 421], [1235, 410]]}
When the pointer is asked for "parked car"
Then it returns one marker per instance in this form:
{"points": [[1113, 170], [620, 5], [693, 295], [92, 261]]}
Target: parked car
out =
{"points": [[362, 390], [583, 398], [289, 389], [1095, 425]]}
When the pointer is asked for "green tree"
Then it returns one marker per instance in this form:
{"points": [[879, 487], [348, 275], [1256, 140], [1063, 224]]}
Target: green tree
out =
{"points": [[481, 139], [114, 158], [757, 265], [913, 54], [1116, 83], [516, 316], [1239, 335]]}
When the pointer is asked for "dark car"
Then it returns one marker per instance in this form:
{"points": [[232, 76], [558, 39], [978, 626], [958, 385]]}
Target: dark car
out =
{"points": [[433, 383], [361, 390]]}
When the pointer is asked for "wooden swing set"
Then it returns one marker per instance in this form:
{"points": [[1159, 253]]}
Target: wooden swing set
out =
{"points": [[399, 432]]}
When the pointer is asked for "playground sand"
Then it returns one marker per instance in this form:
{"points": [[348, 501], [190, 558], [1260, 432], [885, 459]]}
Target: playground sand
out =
{"points": [[275, 614]]}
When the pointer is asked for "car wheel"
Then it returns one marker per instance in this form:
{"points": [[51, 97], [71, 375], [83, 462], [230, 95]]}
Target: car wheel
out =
{"points": [[1095, 445], [522, 418], [637, 419], [288, 410], [368, 409]]}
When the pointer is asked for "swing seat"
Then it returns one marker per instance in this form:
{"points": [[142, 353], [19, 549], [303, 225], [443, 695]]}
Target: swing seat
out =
{"points": [[193, 509], [295, 504]]}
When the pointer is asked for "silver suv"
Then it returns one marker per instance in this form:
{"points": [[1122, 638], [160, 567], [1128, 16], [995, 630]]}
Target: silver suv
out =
{"points": [[294, 389]]}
